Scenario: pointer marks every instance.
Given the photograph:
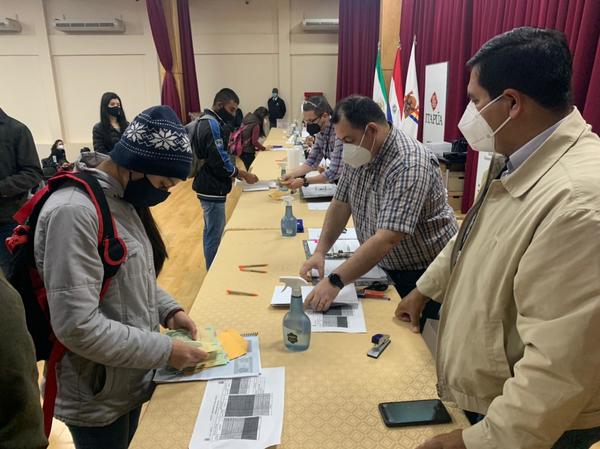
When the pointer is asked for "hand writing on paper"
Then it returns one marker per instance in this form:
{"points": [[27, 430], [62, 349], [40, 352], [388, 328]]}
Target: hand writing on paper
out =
{"points": [[452, 440], [321, 297]]}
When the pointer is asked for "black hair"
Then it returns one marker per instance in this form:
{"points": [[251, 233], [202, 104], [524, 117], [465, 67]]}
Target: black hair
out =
{"points": [[534, 61], [318, 104], [104, 116], [54, 145], [359, 111], [261, 113], [225, 96], [159, 250]]}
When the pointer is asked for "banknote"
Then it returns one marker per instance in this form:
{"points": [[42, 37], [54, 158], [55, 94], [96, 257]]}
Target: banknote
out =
{"points": [[207, 341]]}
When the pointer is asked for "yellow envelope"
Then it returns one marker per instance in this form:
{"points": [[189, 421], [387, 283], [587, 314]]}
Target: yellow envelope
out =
{"points": [[277, 194], [233, 343]]}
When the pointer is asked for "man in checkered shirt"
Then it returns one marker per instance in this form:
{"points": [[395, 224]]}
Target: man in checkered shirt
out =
{"points": [[392, 186]]}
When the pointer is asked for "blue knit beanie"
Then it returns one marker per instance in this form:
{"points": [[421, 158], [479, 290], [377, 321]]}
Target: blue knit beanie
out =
{"points": [[155, 143]]}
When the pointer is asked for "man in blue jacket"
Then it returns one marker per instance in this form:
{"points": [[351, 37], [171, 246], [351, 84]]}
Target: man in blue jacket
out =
{"points": [[214, 179]]}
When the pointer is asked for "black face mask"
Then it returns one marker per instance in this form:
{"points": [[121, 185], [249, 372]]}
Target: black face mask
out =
{"points": [[114, 111], [225, 115], [313, 128], [142, 193]]}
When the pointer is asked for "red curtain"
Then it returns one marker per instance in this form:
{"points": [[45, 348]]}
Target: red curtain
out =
{"points": [[454, 30], [160, 34], [188, 64], [357, 49]]}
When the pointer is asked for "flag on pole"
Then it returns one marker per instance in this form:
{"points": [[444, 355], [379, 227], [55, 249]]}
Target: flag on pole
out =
{"points": [[396, 99], [379, 93], [410, 121]]}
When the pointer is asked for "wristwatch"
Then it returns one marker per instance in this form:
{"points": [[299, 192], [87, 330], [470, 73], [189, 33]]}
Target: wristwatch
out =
{"points": [[305, 182], [336, 281]]}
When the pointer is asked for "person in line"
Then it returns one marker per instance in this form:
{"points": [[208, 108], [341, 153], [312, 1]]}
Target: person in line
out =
{"points": [[393, 189], [215, 176], [519, 329], [20, 172], [114, 346], [253, 130], [276, 107], [21, 422], [112, 124], [56, 161], [317, 116]]}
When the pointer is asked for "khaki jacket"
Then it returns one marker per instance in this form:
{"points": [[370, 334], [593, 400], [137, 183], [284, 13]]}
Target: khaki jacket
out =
{"points": [[519, 335]]}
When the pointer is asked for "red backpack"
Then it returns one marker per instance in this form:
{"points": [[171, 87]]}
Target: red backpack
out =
{"points": [[24, 276], [236, 141]]}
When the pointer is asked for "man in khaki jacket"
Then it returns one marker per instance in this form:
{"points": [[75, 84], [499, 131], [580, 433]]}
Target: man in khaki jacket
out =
{"points": [[520, 284]]}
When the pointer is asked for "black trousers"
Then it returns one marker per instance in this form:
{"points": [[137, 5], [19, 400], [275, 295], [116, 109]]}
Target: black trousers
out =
{"points": [[405, 282]]}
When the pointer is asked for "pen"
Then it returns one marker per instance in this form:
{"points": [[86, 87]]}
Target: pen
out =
{"points": [[233, 292], [241, 267], [252, 271]]}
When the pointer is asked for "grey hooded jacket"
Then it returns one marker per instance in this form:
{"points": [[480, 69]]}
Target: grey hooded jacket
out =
{"points": [[112, 347]]}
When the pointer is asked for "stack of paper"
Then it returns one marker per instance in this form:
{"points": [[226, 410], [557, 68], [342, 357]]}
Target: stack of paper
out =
{"points": [[341, 248], [283, 297], [258, 187], [348, 233], [207, 341], [347, 318], [314, 191]]}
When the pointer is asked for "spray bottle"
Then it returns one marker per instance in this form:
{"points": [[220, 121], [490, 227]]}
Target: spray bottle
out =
{"points": [[289, 224], [282, 186], [296, 325]]}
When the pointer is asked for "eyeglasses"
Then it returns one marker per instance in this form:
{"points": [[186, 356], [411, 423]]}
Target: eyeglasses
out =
{"points": [[315, 120]]}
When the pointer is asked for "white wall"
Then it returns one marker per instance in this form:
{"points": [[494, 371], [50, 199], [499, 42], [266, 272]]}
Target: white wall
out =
{"points": [[53, 81]]}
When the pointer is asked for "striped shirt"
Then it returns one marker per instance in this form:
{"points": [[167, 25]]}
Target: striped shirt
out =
{"points": [[400, 190], [327, 146]]}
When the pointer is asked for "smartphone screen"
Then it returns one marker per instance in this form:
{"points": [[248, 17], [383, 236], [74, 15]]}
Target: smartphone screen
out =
{"points": [[414, 413]]}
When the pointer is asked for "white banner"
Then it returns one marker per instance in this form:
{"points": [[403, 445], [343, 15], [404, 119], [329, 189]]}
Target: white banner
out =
{"points": [[434, 117]]}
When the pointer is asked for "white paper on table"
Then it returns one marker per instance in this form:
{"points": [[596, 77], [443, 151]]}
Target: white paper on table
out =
{"points": [[374, 274], [258, 187], [312, 174], [282, 297], [305, 133], [348, 233], [347, 318], [318, 206], [245, 366], [241, 413], [348, 246], [319, 190]]}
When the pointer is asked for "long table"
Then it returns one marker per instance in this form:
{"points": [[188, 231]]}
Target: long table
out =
{"points": [[333, 388]]}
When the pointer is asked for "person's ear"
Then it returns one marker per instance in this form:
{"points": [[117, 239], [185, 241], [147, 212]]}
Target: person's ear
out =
{"points": [[515, 102]]}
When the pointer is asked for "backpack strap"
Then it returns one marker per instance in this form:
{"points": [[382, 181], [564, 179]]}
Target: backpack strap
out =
{"points": [[112, 251]]}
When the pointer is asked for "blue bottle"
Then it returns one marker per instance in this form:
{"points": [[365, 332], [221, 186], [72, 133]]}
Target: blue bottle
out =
{"points": [[296, 325], [289, 224]]}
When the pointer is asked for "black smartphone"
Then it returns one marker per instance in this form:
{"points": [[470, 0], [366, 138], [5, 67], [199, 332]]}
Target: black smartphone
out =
{"points": [[414, 413]]}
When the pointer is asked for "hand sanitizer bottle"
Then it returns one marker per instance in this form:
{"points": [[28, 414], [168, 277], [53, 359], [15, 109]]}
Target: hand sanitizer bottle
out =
{"points": [[296, 325], [289, 224], [282, 187]]}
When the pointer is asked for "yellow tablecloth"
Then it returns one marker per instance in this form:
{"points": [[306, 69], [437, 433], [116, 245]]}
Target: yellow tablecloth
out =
{"points": [[266, 165], [332, 389], [276, 137]]}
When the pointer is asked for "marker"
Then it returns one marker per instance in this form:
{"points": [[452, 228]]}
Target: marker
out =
{"points": [[233, 292]]}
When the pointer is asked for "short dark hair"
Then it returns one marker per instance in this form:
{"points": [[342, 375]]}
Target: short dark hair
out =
{"points": [[534, 61], [318, 104], [359, 111], [225, 96]]}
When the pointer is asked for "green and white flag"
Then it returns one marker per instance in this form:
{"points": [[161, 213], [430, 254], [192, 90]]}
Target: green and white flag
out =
{"points": [[379, 93]]}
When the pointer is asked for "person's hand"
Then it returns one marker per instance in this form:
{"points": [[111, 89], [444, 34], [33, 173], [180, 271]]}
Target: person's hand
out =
{"points": [[321, 297], [452, 440], [250, 178], [286, 178], [317, 262], [321, 169], [411, 307], [184, 355], [181, 321], [309, 141], [294, 184]]}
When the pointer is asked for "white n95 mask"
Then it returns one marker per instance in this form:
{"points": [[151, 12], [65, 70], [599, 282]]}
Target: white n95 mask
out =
{"points": [[356, 155], [476, 130]]}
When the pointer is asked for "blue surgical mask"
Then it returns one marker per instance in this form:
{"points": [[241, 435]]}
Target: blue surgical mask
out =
{"points": [[142, 193]]}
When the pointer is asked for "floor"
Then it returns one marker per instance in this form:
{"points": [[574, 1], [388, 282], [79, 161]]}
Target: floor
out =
{"points": [[181, 225]]}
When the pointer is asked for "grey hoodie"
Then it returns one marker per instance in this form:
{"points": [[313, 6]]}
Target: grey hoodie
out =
{"points": [[112, 347]]}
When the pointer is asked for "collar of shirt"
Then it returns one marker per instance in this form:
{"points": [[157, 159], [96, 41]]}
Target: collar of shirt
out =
{"points": [[516, 159]]}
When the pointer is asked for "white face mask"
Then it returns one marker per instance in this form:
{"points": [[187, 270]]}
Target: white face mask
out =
{"points": [[356, 155], [476, 130]]}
